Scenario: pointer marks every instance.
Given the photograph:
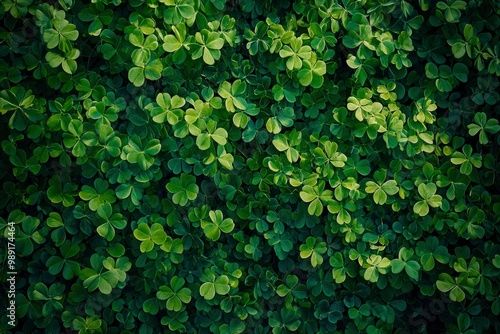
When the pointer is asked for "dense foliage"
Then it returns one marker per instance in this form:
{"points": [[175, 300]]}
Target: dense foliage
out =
{"points": [[222, 166]]}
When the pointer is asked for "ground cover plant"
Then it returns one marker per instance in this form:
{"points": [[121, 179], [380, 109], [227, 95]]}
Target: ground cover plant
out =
{"points": [[224, 166]]}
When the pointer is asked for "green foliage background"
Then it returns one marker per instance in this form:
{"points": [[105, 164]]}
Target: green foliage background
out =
{"points": [[213, 166]]}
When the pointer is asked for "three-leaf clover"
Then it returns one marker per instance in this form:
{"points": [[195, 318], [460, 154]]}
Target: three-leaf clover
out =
{"points": [[443, 75], [322, 37], [52, 296], [61, 35], [232, 94], [175, 294], [286, 319], [179, 11], [483, 125], [67, 62], [281, 242], [213, 285], [291, 288], [78, 139], [295, 53], [317, 197], [429, 199], [218, 135], [258, 41], [340, 269], [62, 191], [312, 72], [69, 268], [144, 45], [376, 265], [467, 160], [403, 261], [313, 248], [208, 46], [173, 43], [143, 155], [446, 283], [99, 195], [283, 117], [184, 189], [112, 221], [329, 157], [381, 190], [16, 8], [99, 278], [97, 17], [431, 250], [149, 236], [284, 144], [150, 69], [452, 9], [168, 109], [217, 225]]}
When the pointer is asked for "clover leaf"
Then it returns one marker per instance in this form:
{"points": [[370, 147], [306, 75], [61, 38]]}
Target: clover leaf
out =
{"points": [[443, 76], [15, 98], [232, 94], [340, 270], [17, 8], [258, 41], [317, 197], [150, 236], [312, 72], [67, 62], [446, 283], [141, 153], [376, 265], [98, 195], [328, 157], [97, 18], [483, 125], [282, 117], [403, 261], [175, 294], [61, 191], [145, 24], [281, 243], [168, 109], [184, 189], [150, 69], [288, 319], [218, 135], [78, 139], [322, 37], [467, 160], [429, 251], [51, 296], [452, 9], [429, 199], [213, 285], [21, 102], [112, 221], [208, 46], [179, 11], [61, 35], [295, 53], [104, 116], [284, 144], [97, 277], [217, 225], [314, 250], [173, 43], [381, 190]]}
